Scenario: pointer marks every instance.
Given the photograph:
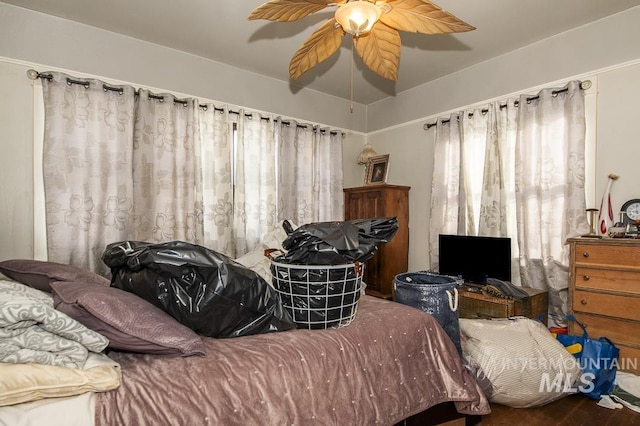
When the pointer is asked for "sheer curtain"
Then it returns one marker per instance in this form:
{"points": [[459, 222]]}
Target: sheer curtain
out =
{"points": [[550, 196], [329, 176], [255, 201], [87, 163], [309, 174], [216, 142], [516, 170], [165, 170], [120, 165], [447, 198], [116, 166]]}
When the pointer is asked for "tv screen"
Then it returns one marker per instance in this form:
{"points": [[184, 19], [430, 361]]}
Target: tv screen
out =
{"points": [[475, 258]]}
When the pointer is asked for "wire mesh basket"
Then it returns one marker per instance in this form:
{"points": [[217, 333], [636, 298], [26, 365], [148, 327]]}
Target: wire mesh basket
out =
{"points": [[319, 296]]}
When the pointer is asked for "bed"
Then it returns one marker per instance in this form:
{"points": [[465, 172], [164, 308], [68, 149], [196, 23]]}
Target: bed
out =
{"points": [[390, 363]]}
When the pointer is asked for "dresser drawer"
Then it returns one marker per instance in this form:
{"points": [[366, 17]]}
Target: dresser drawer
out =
{"points": [[611, 255], [620, 306], [629, 359], [618, 330], [474, 308], [608, 279], [478, 305]]}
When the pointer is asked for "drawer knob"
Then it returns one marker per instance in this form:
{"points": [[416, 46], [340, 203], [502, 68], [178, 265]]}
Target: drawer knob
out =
{"points": [[585, 254], [586, 278], [583, 301]]}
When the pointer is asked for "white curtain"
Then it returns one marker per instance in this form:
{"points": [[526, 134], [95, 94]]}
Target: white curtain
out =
{"points": [[255, 200], [216, 141], [122, 165], [516, 170], [329, 175], [88, 149], [446, 197], [165, 170], [550, 196], [309, 173]]}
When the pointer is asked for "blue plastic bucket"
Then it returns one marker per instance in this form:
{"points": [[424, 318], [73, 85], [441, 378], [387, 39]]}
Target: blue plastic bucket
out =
{"points": [[434, 294]]}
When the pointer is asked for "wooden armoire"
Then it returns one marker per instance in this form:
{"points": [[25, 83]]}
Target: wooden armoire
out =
{"points": [[392, 258]]}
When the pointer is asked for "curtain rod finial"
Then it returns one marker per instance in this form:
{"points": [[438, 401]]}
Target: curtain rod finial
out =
{"points": [[32, 74]]}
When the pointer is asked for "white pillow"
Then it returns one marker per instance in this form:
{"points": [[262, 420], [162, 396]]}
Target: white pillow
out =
{"points": [[31, 382], [523, 364], [256, 260]]}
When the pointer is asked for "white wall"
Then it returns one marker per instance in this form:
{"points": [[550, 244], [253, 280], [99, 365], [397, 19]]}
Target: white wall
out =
{"points": [[410, 151], [353, 172], [16, 163], [617, 151], [607, 51], [54, 42], [33, 40], [29, 39], [618, 138], [596, 46]]}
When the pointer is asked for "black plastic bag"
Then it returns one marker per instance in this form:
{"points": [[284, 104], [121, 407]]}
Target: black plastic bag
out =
{"points": [[337, 243], [202, 289]]}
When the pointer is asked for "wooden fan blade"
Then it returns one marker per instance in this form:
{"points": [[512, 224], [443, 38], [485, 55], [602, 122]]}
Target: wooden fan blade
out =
{"points": [[422, 16], [288, 10], [319, 46], [380, 50]]}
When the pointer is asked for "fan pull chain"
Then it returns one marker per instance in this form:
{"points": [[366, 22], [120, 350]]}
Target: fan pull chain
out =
{"points": [[353, 59]]}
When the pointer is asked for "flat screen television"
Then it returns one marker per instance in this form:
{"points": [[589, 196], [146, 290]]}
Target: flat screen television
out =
{"points": [[475, 258]]}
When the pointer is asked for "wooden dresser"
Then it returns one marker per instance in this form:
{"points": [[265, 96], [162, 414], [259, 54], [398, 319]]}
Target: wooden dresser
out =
{"points": [[604, 292], [392, 258]]}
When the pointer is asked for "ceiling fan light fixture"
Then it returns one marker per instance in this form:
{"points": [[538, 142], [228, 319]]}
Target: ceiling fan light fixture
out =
{"points": [[357, 17], [377, 44]]}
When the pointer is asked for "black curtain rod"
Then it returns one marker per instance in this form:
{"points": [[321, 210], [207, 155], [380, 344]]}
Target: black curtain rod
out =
{"points": [[583, 85], [183, 102]]}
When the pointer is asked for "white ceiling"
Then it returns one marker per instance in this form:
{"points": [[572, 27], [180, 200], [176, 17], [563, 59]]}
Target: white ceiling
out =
{"points": [[219, 30]]}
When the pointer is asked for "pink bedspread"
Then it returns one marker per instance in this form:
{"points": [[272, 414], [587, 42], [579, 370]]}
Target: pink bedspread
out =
{"points": [[393, 361]]}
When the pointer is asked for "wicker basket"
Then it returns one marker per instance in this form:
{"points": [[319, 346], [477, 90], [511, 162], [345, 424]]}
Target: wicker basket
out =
{"points": [[319, 297]]}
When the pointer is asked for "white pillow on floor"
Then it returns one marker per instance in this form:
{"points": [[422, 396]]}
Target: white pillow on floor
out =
{"points": [[523, 363]]}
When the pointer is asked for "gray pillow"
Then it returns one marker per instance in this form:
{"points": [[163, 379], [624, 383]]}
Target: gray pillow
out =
{"points": [[129, 322], [40, 274]]}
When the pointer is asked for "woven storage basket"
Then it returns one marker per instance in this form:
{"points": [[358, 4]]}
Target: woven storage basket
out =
{"points": [[319, 296]]}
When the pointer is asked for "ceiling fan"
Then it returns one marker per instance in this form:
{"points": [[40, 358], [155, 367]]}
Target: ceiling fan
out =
{"points": [[374, 25]]}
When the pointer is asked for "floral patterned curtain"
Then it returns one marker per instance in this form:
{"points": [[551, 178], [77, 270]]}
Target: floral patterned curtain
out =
{"points": [[88, 164], [216, 142], [516, 170], [309, 173], [165, 170], [447, 200], [550, 196], [255, 202], [120, 165], [329, 175]]}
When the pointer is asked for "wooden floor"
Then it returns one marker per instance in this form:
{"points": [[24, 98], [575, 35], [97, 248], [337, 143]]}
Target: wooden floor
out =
{"points": [[572, 410]]}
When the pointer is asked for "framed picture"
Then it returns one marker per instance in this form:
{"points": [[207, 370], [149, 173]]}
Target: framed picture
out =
{"points": [[377, 170]]}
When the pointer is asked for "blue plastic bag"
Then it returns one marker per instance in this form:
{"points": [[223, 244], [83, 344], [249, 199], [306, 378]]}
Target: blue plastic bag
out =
{"points": [[597, 358]]}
